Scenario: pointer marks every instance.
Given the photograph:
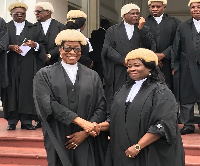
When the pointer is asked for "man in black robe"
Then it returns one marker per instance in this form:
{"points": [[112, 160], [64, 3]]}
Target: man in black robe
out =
{"points": [[48, 27], [97, 40], [186, 65], [119, 40], [18, 97], [163, 28], [68, 98], [3, 55]]}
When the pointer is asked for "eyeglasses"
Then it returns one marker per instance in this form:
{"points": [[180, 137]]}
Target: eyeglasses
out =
{"points": [[68, 49], [39, 11], [18, 14]]}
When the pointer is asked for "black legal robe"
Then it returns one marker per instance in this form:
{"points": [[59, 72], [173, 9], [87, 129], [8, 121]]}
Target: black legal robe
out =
{"points": [[164, 34], [54, 28], [116, 47], [21, 70], [51, 94], [3, 54], [186, 63], [153, 110]]}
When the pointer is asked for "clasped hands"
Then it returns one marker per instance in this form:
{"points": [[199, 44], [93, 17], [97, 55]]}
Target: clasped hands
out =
{"points": [[89, 129]]}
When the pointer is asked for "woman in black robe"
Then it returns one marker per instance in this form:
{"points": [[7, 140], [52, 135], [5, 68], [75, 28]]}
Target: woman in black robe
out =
{"points": [[69, 99], [143, 120]]}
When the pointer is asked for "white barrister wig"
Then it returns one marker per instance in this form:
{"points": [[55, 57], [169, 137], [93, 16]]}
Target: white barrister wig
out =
{"points": [[76, 14], [128, 7], [46, 6], [70, 35], [17, 5], [142, 53], [163, 1], [192, 1]]}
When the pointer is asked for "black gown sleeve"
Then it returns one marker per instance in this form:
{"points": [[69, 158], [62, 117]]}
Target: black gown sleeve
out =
{"points": [[47, 104]]}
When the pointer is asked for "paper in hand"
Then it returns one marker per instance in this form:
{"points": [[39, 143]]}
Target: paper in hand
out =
{"points": [[24, 49]]}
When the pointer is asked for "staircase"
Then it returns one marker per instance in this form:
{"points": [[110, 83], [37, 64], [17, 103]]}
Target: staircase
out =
{"points": [[21, 147], [25, 147], [191, 143]]}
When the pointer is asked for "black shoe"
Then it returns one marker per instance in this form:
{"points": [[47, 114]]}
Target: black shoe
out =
{"points": [[186, 130], [11, 127], [38, 124], [28, 126]]}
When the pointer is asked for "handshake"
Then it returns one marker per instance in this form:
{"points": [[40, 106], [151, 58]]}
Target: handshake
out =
{"points": [[92, 128], [89, 129]]}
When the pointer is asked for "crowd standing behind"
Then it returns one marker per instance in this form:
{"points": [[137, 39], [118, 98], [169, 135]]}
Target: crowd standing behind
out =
{"points": [[138, 109]]}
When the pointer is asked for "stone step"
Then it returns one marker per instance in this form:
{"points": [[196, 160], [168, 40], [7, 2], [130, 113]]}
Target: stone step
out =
{"points": [[192, 160], [23, 156], [192, 150], [22, 142]]}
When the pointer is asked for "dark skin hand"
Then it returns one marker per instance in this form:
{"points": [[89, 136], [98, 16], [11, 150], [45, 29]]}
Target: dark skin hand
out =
{"points": [[76, 139], [146, 140]]}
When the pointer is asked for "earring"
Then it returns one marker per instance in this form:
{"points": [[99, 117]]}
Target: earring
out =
{"points": [[149, 73]]}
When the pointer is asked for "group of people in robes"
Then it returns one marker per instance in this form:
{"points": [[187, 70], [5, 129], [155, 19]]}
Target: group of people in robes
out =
{"points": [[142, 118], [137, 108]]}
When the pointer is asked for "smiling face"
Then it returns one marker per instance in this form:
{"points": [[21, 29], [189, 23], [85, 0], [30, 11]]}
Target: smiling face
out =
{"points": [[136, 69], [70, 52], [157, 8], [195, 10], [132, 17]]}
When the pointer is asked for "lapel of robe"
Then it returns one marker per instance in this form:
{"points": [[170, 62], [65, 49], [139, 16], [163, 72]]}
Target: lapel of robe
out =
{"points": [[118, 109], [12, 33], [24, 33], [85, 92], [135, 40], [189, 39], [123, 38], [134, 113], [52, 24], [61, 83]]}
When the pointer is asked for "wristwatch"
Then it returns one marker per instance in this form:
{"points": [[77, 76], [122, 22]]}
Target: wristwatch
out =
{"points": [[137, 147], [49, 56]]}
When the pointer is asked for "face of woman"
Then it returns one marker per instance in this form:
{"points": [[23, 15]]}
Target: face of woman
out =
{"points": [[195, 10], [70, 52], [136, 69]]}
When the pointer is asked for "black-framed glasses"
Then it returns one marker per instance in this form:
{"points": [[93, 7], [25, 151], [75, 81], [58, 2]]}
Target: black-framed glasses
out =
{"points": [[68, 49], [39, 11]]}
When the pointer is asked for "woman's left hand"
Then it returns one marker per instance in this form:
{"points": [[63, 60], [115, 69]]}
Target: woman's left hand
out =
{"points": [[131, 152], [76, 139]]}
